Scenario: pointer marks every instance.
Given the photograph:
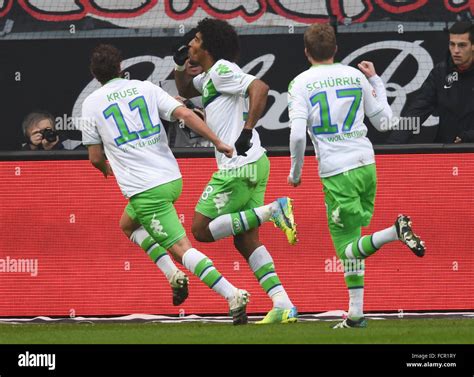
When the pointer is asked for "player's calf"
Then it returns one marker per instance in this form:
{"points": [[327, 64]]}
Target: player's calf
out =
{"points": [[280, 212], [200, 228], [201, 266]]}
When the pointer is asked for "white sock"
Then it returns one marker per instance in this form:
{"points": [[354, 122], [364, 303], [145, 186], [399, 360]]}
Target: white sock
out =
{"points": [[384, 236], [356, 303], [202, 267], [261, 263], [167, 266], [164, 262], [265, 212], [221, 227], [239, 222], [225, 288]]}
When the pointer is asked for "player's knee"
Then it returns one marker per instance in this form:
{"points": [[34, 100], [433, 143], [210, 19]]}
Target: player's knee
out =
{"points": [[125, 229], [127, 232], [246, 244], [238, 243], [200, 234]]}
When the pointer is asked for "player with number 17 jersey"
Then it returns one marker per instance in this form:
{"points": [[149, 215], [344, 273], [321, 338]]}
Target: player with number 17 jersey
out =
{"points": [[333, 99], [329, 101]]}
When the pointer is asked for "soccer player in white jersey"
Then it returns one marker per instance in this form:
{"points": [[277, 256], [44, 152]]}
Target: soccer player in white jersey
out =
{"points": [[122, 119], [329, 101], [232, 203]]}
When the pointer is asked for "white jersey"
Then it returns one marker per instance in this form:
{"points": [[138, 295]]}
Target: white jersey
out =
{"points": [[124, 116], [332, 99], [224, 90]]}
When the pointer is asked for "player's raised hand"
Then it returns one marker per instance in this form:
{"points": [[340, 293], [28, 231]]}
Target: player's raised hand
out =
{"points": [[367, 68], [181, 49], [293, 183], [224, 148]]}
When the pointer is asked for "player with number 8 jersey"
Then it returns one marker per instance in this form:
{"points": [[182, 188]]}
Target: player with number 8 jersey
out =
{"points": [[232, 204]]}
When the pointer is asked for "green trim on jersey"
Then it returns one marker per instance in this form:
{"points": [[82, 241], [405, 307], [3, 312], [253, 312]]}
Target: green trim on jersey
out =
{"points": [[114, 79], [209, 93], [222, 69]]}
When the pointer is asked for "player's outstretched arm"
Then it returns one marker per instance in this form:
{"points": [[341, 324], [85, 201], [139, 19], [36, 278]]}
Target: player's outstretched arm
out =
{"points": [[97, 159], [198, 126]]}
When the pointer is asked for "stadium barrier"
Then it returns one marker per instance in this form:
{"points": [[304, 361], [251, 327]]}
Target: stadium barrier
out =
{"points": [[62, 252]]}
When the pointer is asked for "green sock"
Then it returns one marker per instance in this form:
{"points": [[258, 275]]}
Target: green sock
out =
{"points": [[243, 221], [204, 269], [157, 253], [354, 271], [153, 250], [233, 224], [361, 248]]}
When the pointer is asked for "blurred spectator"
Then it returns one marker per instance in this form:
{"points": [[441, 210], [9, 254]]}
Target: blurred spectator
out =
{"points": [[40, 134], [448, 92]]}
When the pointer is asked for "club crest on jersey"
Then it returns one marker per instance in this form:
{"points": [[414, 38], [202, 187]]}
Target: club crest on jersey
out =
{"points": [[222, 69], [157, 228], [221, 200]]}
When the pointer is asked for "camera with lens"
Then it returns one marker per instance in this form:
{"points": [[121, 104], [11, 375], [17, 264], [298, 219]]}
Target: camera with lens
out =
{"points": [[199, 112], [49, 134]]}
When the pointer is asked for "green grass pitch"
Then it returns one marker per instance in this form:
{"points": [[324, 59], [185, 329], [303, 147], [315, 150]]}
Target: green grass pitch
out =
{"points": [[393, 331]]}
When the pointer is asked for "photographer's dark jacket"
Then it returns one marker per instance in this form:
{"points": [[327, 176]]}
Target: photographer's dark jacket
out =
{"points": [[444, 96], [58, 146]]}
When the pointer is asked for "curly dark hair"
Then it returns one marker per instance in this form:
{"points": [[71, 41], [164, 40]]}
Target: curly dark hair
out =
{"points": [[219, 38], [105, 62]]}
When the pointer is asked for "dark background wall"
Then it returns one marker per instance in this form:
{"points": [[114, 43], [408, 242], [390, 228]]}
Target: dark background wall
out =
{"points": [[44, 67]]}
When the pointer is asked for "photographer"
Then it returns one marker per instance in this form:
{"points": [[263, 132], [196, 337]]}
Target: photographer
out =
{"points": [[40, 134], [38, 128]]}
